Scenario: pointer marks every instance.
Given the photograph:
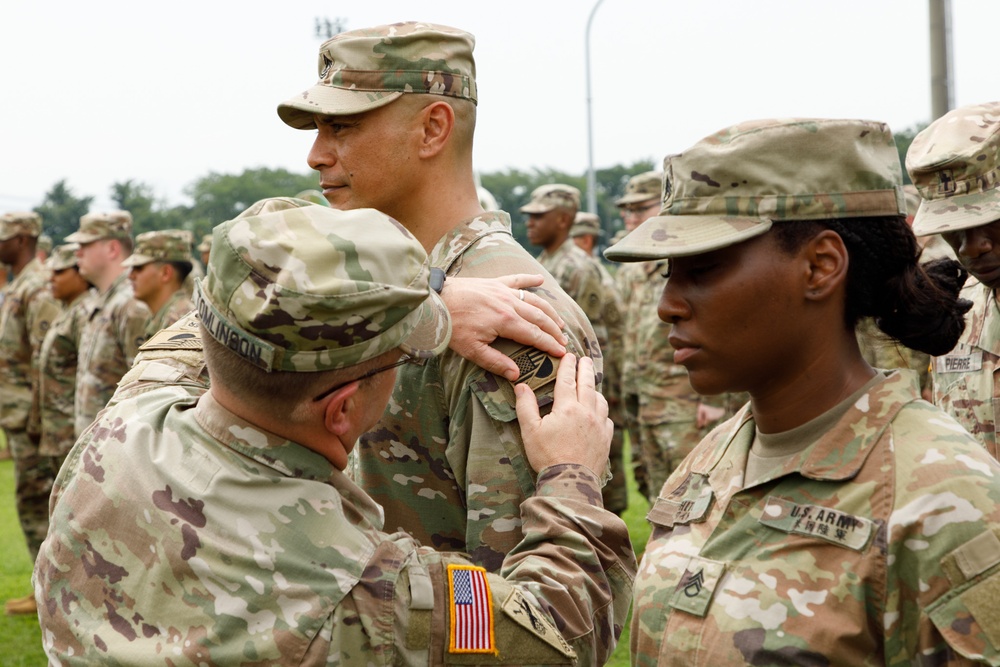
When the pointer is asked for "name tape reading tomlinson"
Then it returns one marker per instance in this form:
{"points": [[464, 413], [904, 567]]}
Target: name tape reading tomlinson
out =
{"points": [[246, 346]]}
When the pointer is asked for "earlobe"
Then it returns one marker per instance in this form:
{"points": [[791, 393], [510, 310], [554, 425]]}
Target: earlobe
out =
{"points": [[828, 262]]}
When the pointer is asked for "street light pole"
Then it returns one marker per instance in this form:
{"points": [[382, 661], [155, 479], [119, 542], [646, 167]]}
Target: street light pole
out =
{"points": [[591, 177]]}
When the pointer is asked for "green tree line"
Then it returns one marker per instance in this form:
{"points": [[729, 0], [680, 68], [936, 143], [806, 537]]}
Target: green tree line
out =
{"points": [[220, 197]]}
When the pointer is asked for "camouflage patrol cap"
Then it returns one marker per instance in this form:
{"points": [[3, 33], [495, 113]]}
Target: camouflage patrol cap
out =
{"points": [[365, 69], [99, 226], [169, 245], [293, 286], [206, 243], [553, 195], [955, 164], [733, 185], [63, 257], [642, 187], [45, 243], [20, 223], [586, 224]]}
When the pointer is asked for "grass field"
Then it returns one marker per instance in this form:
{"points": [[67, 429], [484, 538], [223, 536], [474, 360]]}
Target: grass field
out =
{"points": [[20, 637]]}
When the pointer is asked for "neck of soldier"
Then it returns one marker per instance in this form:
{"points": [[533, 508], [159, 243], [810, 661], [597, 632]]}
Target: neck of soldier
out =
{"points": [[445, 198], [556, 242], [104, 282], [156, 301]]}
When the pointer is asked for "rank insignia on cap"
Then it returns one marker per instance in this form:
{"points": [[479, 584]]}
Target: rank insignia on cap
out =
{"points": [[471, 610]]}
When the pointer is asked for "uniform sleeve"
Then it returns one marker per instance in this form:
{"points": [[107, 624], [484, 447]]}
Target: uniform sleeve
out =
{"points": [[132, 329], [561, 598]]}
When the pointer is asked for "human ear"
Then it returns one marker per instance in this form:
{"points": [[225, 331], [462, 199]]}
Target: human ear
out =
{"points": [[438, 124], [339, 409], [827, 260]]}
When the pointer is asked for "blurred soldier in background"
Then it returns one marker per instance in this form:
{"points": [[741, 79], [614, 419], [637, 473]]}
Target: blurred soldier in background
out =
{"points": [[671, 416], [26, 314], [158, 269], [585, 233], [955, 164], [115, 322]]}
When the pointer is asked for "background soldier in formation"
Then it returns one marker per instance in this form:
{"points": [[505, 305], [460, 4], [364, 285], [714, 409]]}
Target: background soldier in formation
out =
{"points": [[158, 270], [585, 233], [25, 315], [253, 542], [955, 164], [115, 323]]}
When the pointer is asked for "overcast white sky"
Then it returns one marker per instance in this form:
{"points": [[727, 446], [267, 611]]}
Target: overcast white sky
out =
{"points": [[106, 90]]}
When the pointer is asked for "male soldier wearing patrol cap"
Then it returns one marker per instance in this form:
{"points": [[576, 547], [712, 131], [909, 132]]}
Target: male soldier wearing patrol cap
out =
{"points": [[204, 248], [52, 417], [158, 270], [116, 322], [955, 164], [27, 311], [394, 111], [252, 544], [585, 232]]}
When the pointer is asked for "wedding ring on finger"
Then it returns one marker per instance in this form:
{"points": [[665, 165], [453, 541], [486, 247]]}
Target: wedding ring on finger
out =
{"points": [[520, 295]]}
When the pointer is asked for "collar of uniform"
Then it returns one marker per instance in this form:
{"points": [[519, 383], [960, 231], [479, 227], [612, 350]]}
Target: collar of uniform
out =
{"points": [[565, 248], [288, 458], [31, 269], [842, 451], [452, 245]]}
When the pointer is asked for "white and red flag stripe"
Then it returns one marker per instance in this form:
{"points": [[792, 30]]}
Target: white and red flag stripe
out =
{"points": [[471, 610]]}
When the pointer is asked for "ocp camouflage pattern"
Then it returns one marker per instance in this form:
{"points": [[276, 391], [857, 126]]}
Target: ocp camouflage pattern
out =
{"points": [[446, 460], [114, 329], [878, 544], [966, 381], [182, 534]]}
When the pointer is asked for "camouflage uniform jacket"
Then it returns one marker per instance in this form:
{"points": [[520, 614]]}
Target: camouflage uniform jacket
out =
{"points": [[612, 325], [249, 548], [177, 306], [52, 411], [579, 275], [27, 312], [446, 460], [114, 329], [628, 278], [966, 381], [876, 545]]}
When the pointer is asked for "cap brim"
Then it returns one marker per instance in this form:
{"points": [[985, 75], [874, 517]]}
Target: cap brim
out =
{"points": [[300, 111], [952, 214], [535, 208], [432, 333], [667, 236], [635, 198], [137, 260]]}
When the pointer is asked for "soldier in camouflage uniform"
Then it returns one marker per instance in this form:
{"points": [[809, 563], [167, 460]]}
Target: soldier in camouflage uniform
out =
{"points": [[116, 322], [205, 247], [837, 519], [52, 419], [955, 164], [394, 112], [158, 270], [253, 545], [585, 232], [27, 311], [670, 417]]}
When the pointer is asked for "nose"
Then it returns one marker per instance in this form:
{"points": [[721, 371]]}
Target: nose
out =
{"points": [[672, 307], [974, 243], [321, 153]]}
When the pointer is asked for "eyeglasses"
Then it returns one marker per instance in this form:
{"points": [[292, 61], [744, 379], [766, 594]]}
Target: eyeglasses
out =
{"points": [[637, 210], [405, 359]]}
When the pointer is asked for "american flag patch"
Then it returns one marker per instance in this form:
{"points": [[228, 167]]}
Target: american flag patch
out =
{"points": [[471, 610]]}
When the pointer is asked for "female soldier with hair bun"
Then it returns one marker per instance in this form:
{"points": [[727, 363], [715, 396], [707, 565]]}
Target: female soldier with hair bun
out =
{"points": [[837, 519]]}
